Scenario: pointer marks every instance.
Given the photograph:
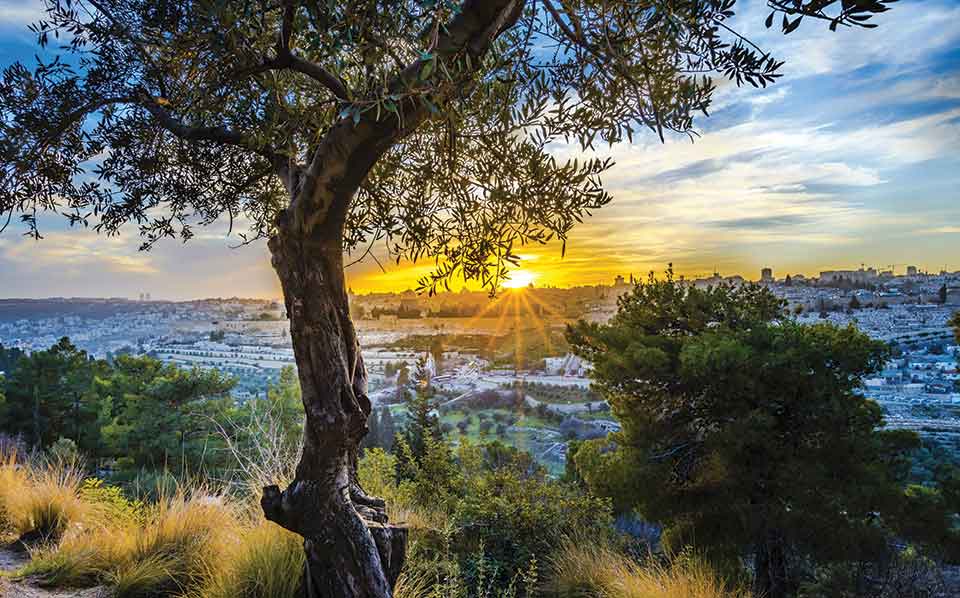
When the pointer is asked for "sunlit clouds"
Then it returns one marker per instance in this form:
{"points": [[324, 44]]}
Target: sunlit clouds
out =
{"points": [[852, 157]]}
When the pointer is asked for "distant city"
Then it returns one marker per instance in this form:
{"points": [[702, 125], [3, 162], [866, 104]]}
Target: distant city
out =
{"points": [[513, 340]]}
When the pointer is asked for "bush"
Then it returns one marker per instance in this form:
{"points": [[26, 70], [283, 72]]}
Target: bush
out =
{"points": [[65, 450], [514, 521]]}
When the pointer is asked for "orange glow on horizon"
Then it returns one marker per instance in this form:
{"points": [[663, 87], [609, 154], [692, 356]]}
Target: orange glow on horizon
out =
{"points": [[520, 278]]}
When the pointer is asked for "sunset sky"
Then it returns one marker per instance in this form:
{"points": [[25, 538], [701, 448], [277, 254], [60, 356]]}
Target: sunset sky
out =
{"points": [[852, 157]]}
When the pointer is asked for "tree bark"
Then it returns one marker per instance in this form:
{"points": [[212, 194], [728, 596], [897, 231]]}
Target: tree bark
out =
{"points": [[770, 567], [351, 549]]}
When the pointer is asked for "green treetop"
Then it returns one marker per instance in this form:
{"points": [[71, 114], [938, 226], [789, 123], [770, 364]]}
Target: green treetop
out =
{"points": [[743, 431]]}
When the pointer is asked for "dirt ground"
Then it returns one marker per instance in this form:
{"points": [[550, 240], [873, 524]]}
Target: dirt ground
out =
{"points": [[10, 560]]}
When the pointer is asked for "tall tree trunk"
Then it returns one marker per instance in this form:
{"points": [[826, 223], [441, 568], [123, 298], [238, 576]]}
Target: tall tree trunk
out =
{"points": [[770, 564], [351, 550]]}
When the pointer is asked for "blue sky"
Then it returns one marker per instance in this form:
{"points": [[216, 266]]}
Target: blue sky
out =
{"points": [[852, 157]]}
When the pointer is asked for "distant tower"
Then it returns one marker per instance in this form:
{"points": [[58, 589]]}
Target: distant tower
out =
{"points": [[766, 275], [141, 296], [147, 296], [911, 270], [618, 281]]}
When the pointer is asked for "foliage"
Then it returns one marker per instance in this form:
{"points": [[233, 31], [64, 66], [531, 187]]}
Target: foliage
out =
{"points": [[64, 449], [905, 573], [423, 425], [49, 395], [135, 410], [158, 415], [432, 476], [382, 430], [482, 516], [514, 520], [438, 574], [110, 503], [742, 429], [501, 528], [461, 100], [9, 358]]}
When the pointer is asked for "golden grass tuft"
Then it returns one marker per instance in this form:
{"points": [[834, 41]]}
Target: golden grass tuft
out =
{"points": [[41, 500], [413, 585], [173, 548], [183, 539], [587, 570], [13, 483], [267, 562]]}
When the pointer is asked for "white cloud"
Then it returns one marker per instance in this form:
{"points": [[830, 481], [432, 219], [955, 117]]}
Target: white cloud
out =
{"points": [[77, 250], [17, 13], [907, 34]]}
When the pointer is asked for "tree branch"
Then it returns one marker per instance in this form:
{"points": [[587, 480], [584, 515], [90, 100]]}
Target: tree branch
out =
{"points": [[219, 134], [287, 59]]}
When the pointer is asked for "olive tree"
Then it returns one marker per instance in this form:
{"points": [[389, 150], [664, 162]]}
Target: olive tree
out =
{"points": [[337, 127]]}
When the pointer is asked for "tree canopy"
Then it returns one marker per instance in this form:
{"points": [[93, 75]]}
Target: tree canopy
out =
{"points": [[743, 429], [430, 126], [170, 115]]}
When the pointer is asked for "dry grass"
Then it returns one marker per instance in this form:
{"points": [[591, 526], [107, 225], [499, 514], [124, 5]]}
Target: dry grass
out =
{"points": [[197, 543], [13, 483], [42, 499], [583, 570], [267, 562], [177, 545], [183, 540], [414, 586]]}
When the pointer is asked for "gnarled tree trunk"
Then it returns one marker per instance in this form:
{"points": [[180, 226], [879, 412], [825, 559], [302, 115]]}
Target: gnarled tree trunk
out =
{"points": [[351, 549]]}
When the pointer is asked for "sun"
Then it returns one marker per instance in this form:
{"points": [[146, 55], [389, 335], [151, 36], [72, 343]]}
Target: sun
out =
{"points": [[520, 279]]}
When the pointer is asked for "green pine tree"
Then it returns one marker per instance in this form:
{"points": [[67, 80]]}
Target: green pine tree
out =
{"points": [[743, 431]]}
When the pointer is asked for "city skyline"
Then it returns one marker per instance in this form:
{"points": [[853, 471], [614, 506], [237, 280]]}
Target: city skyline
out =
{"points": [[522, 279], [852, 157]]}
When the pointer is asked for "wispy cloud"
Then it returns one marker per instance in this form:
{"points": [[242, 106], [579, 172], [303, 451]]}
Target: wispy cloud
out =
{"points": [[854, 155], [18, 13]]}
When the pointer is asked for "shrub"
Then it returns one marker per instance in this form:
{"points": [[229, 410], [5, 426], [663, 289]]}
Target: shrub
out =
{"points": [[377, 472], [514, 520], [110, 504], [65, 450]]}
